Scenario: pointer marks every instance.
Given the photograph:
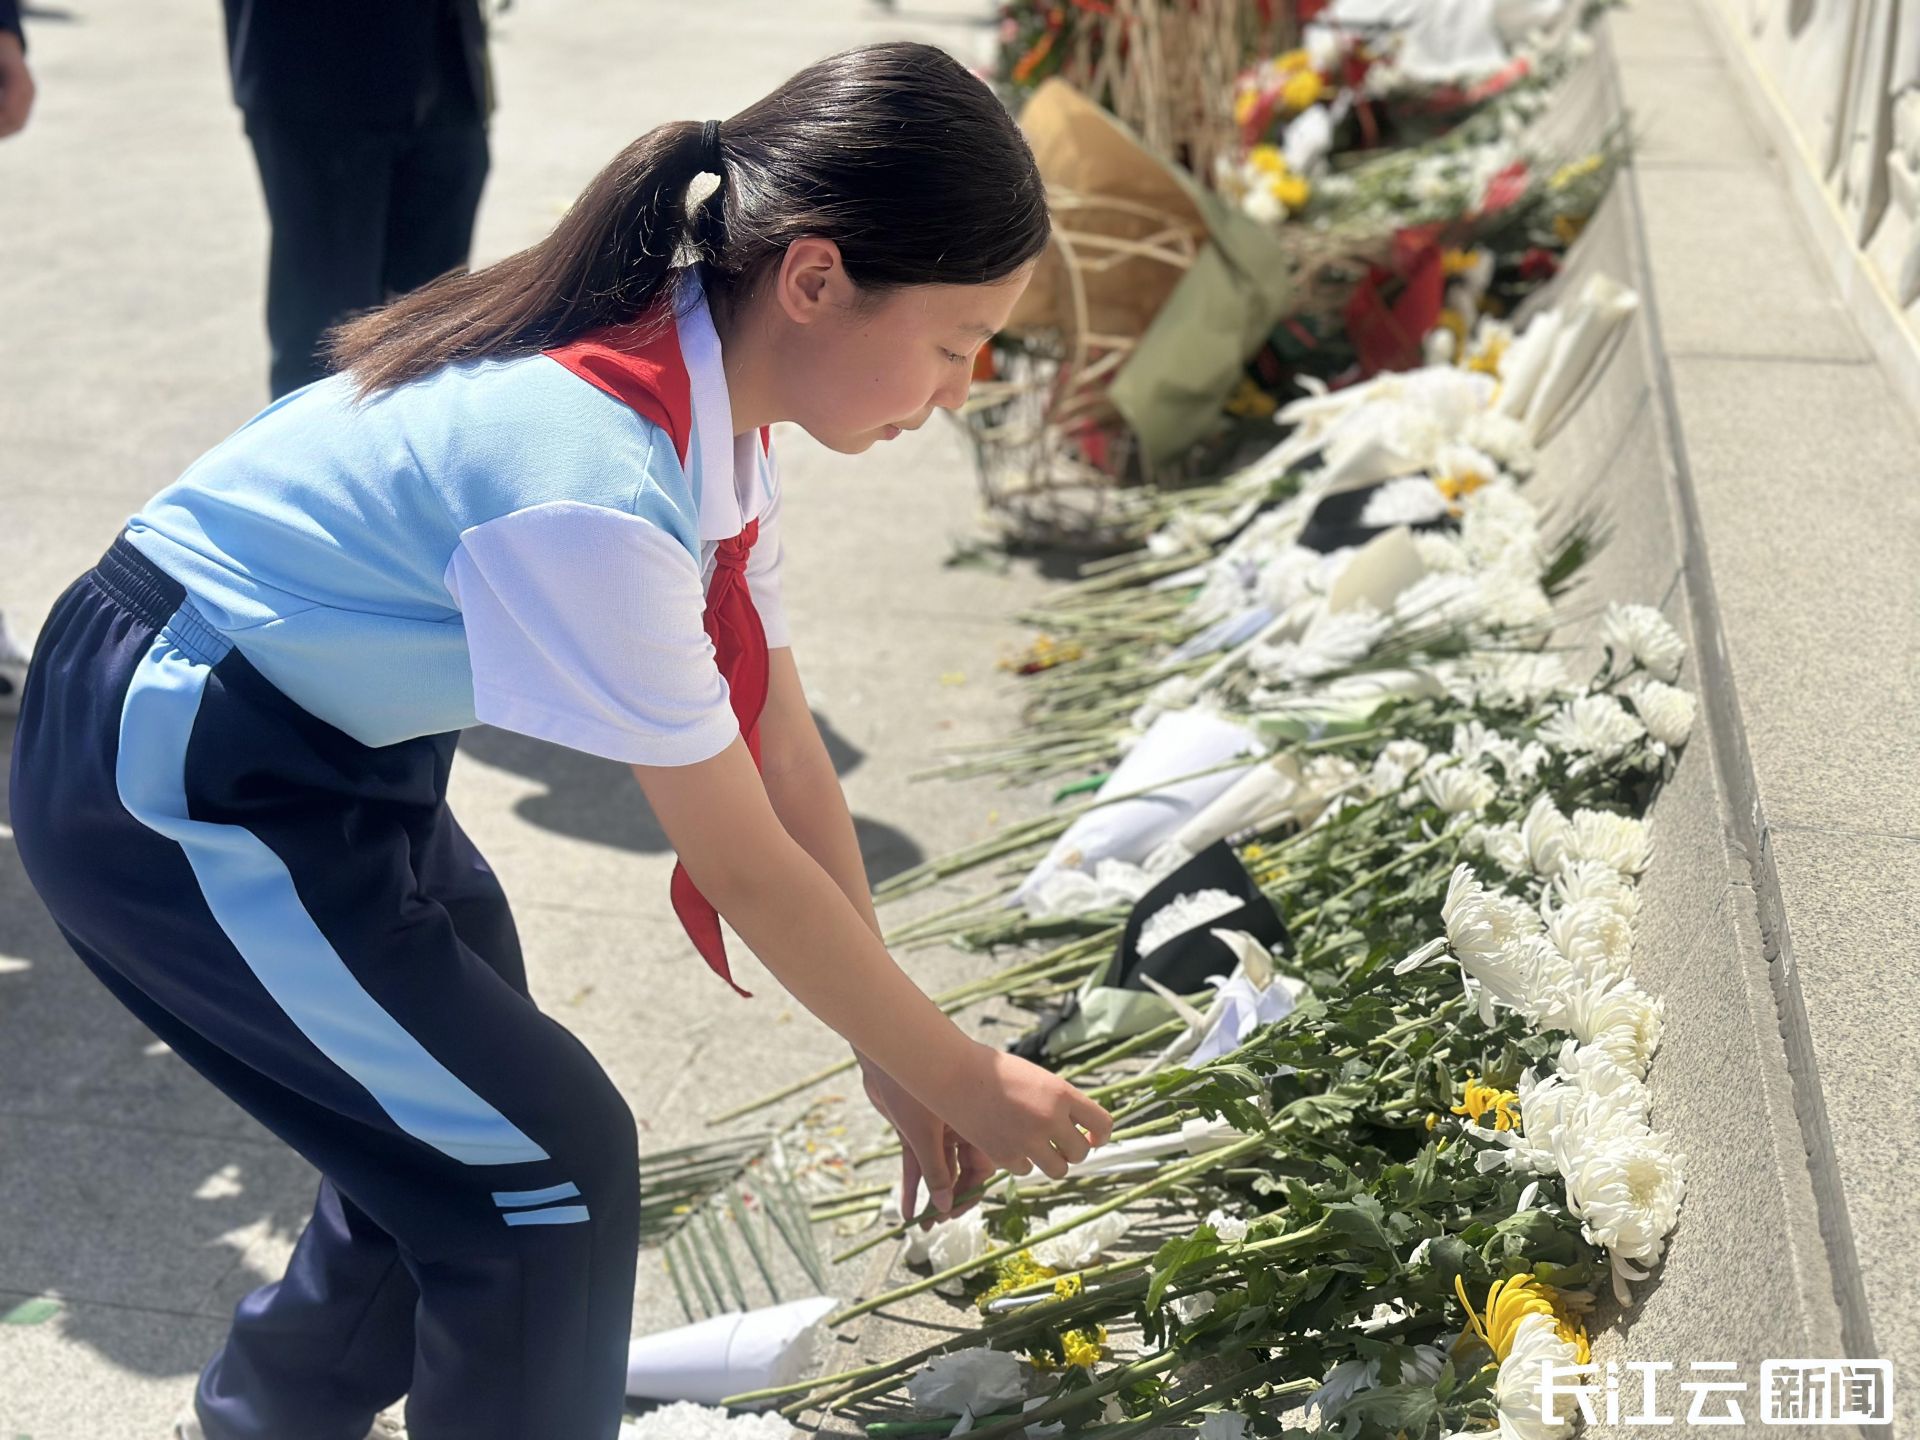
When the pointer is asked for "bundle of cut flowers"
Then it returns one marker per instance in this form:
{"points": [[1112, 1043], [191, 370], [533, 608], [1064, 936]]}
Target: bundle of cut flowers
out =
{"points": [[1388, 1165]]}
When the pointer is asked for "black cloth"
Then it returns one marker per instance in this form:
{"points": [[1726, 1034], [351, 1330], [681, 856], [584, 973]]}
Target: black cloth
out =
{"points": [[10, 20], [358, 217], [1187, 962], [358, 64]]}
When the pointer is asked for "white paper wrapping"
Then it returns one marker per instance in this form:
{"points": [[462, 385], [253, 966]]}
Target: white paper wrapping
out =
{"points": [[1179, 743]]}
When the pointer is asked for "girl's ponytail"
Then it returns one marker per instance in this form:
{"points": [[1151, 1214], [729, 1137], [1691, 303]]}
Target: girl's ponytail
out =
{"points": [[603, 265], [895, 152]]}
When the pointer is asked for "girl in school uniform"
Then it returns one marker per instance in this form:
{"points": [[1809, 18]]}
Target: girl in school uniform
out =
{"points": [[539, 496]]}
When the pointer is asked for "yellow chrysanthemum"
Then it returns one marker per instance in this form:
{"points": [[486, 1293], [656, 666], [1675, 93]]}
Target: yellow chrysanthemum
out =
{"points": [[1577, 170], [1243, 104], [1487, 357], [1511, 1301], [1478, 1099], [1268, 160], [1015, 1272], [1290, 190], [1291, 60], [1303, 87], [1458, 262], [1082, 1347], [1250, 402]]}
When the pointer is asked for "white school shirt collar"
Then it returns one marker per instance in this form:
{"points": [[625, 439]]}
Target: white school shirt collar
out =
{"points": [[729, 469]]}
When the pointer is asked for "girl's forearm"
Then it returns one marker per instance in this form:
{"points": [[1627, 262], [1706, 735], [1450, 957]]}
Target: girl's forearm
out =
{"points": [[798, 920], [812, 807]]}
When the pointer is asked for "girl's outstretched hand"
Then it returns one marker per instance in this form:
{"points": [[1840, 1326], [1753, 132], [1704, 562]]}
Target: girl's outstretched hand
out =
{"points": [[1019, 1114], [929, 1149]]}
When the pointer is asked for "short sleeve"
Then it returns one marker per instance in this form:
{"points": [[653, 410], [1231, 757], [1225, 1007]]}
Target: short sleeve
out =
{"points": [[763, 567], [584, 627]]}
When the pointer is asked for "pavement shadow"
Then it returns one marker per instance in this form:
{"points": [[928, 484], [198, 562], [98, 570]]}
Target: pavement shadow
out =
{"points": [[588, 798], [131, 1185]]}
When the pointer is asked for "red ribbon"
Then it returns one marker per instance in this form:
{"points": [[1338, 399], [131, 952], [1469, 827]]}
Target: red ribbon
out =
{"points": [[740, 648]]}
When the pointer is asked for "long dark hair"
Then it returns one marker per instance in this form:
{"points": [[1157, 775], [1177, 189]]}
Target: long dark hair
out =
{"points": [[895, 152]]}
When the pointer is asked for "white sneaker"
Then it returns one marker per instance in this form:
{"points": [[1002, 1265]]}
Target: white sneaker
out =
{"points": [[187, 1427], [13, 670]]}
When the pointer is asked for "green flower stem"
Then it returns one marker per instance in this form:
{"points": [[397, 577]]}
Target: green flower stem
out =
{"points": [[1081, 1398], [1190, 1274], [1172, 1173], [1227, 1389], [1306, 917], [1003, 1333]]}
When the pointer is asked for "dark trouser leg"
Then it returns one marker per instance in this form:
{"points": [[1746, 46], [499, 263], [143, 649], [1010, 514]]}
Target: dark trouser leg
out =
{"points": [[438, 174], [245, 878], [328, 193], [341, 1322]]}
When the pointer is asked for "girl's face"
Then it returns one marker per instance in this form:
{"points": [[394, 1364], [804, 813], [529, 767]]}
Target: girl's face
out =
{"points": [[856, 373]]}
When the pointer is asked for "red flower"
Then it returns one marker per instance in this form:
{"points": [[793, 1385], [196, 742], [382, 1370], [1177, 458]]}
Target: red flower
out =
{"points": [[1504, 188]]}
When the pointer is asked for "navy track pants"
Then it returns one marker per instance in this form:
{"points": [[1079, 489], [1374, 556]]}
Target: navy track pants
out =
{"points": [[300, 918]]}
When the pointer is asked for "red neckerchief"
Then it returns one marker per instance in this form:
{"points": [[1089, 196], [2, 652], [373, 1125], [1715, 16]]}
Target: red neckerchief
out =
{"points": [[651, 379]]}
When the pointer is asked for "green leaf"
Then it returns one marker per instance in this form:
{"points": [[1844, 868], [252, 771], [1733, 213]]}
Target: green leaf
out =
{"points": [[1396, 1407], [37, 1311], [1363, 1221], [1176, 1255]]}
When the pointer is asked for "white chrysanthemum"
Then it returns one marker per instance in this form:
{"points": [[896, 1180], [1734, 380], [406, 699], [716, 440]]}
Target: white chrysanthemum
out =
{"points": [[1457, 790], [1532, 758], [1560, 1110], [1546, 833], [1190, 1308], [1521, 678], [1414, 500], [1593, 937], [1475, 744], [1620, 1018], [1596, 725], [1593, 1071], [1641, 633], [1440, 552], [1512, 600], [1504, 438], [978, 1379], [950, 1242], [1620, 840], [1625, 1186], [1500, 528], [1520, 1389], [1397, 760], [1184, 913], [1334, 641], [1482, 923], [1496, 940], [1502, 845], [1224, 1425], [1230, 1228], [1082, 1245], [1578, 880], [1666, 710], [684, 1420]]}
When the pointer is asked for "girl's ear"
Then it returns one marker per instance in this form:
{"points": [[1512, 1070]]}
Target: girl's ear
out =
{"points": [[809, 277]]}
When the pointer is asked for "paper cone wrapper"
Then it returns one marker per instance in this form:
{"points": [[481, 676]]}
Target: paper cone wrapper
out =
{"points": [[708, 1361]]}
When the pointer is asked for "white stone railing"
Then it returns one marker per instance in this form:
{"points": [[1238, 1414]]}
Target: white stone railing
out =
{"points": [[1838, 82]]}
